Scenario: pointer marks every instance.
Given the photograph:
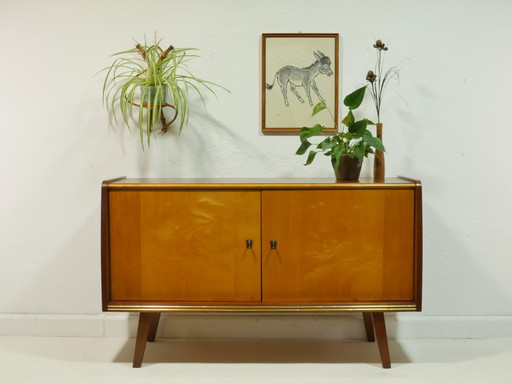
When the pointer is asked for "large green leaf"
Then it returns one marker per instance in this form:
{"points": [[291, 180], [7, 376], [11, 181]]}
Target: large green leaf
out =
{"points": [[328, 143], [336, 157], [311, 157], [338, 139], [359, 150], [319, 107], [303, 147], [354, 100], [303, 132], [349, 119], [306, 133], [358, 128], [373, 141]]}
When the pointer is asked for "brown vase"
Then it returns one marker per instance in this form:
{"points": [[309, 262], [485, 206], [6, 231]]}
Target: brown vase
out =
{"points": [[349, 168], [379, 169]]}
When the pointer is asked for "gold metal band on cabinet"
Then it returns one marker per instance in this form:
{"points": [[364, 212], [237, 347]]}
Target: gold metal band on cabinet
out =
{"points": [[263, 308]]}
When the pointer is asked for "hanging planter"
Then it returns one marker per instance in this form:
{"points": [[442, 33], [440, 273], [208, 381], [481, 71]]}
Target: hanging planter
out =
{"points": [[145, 82], [151, 100]]}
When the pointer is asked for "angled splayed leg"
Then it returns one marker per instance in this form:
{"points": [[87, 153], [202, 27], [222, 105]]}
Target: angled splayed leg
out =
{"points": [[153, 326], [368, 326], [148, 322], [382, 338]]}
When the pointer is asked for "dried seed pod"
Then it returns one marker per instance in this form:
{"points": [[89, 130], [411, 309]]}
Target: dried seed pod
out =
{"points": [[380, 45], [371, 77]]}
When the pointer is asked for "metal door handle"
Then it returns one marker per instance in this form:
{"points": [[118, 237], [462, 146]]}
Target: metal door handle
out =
{"points": [[248, 244], [273, 244]]}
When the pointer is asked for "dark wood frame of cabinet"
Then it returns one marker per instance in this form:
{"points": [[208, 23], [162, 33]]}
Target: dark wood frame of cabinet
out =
{"points": [[150, 310]]}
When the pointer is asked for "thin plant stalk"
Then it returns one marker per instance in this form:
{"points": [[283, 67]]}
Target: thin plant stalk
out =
{"points": [[379, 79]]}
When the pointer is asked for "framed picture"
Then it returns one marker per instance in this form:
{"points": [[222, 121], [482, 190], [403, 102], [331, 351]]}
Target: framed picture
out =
{"points": [[299, 70]]}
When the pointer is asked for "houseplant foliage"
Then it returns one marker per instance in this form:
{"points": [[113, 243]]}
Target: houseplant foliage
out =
{"points": [[148, 79], [352, 141]]}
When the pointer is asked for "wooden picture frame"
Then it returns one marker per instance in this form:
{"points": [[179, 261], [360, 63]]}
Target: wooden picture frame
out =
{"points": [[298, 71]]}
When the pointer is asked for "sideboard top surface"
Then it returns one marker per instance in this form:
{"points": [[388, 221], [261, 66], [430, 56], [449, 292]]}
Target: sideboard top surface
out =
{"points": [[258, 183]]}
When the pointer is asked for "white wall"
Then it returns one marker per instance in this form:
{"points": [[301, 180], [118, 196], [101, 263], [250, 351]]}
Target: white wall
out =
{"points": [[446, 123]]}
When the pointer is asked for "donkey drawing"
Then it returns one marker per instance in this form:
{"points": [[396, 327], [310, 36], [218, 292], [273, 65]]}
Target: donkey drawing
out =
{"points": [[302, 77]]}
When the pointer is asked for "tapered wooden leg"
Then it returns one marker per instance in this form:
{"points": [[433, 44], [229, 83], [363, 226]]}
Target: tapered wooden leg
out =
{"points": [[382, 338], [143, 331], [368, 326], [155, 317]]}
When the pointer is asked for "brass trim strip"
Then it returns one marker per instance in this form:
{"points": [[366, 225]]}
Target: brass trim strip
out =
{"points": [[263, 309]]}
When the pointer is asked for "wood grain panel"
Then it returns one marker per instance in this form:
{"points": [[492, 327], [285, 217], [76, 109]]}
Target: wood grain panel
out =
{"points": [[185, 245], [338, 245]]}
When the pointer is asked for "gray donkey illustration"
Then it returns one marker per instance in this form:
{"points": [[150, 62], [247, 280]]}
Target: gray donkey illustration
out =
{"points": [[302, 77]]}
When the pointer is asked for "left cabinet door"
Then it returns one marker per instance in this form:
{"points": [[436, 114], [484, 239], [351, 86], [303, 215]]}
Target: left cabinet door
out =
{"points": [[184, 245]]}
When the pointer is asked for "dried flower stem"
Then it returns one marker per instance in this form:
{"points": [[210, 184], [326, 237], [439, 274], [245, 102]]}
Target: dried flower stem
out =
{"points": [[379, 80]]}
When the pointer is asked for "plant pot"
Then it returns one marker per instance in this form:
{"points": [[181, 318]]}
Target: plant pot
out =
{"points": [[349, 168], [148, 95], [148, 100]]}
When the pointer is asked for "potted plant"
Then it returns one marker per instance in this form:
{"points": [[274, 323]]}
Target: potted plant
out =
{"points": [[349, 146], [149, 80]]}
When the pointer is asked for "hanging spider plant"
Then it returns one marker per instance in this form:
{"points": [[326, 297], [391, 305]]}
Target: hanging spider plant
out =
{"points": [[151, 81]]}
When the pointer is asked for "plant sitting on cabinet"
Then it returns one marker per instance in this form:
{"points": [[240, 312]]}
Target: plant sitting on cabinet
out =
{"points": [[353, 141]]}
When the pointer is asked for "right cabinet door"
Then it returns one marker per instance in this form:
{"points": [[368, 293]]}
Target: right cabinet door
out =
{"points": [[338, 245]]}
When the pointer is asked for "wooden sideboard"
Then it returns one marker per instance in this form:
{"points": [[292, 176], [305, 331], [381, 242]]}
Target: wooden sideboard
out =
{"points": [[261, 245]]}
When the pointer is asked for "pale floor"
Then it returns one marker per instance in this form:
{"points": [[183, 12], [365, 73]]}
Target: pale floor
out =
{"points": [[41, 360]]}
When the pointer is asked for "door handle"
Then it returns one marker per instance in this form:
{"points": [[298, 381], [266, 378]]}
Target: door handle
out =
{"points": [[273, 244], [248, 243]]}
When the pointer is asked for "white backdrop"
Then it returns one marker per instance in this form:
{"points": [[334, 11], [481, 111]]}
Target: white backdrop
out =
{"points": [[446, 123]]}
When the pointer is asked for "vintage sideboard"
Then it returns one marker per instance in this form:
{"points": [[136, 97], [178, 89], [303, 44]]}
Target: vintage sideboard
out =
{"points": [[261, 245]]}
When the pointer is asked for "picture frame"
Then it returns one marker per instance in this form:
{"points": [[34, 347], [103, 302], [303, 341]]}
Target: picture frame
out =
{"points": [[298, 71]]}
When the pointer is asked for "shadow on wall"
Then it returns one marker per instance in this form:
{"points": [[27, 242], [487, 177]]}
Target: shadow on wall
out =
{"points": [[206, 147]]}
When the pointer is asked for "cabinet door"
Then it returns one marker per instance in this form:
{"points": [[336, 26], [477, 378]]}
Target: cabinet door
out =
{"points": [[185, 245], [338, 245]]}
